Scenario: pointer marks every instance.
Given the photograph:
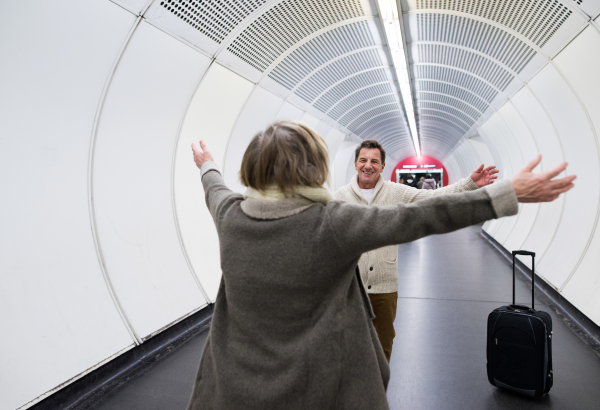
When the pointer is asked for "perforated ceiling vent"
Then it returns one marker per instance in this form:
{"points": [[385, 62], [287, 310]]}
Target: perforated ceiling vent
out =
{"points": [[477, 35], [473, 63], [462, 79], [453, 91], [320, 50], [366, 106], [443, 116], [379, 122], [214, 18], [372, 113], [468, 110], [337, 71], [286, 24], [348, 86], [358, 97], [537, 20], [468, 121]]}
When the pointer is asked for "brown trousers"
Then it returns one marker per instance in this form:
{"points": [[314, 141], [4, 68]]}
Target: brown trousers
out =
{"points": [[384, 307]]}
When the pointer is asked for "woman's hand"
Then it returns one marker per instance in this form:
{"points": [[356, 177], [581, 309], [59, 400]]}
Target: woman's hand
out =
{"points": [[532, 187], [484, 176], [201, 154]]}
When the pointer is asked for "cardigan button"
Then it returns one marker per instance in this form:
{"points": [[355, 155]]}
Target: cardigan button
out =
{"points": [[371, 268], [369, 287]]}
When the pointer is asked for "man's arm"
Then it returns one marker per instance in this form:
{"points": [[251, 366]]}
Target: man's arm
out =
{"points": [[478, 178]]}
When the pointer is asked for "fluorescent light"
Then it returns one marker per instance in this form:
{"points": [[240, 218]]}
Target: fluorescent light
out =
{"points": [[390, 19]]}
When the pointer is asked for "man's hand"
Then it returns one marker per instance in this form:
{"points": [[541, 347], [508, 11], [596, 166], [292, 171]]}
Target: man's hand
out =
{"points": [[201, 155], [484, 176], [532, 187]]}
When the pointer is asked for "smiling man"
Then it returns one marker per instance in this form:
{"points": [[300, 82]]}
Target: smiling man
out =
{"points": [[379, 268]]}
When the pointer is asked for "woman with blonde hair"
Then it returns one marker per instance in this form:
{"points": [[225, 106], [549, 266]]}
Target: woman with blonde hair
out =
{"points": [[292, 324]]}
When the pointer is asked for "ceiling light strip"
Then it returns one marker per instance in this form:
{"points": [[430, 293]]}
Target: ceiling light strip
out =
{"points": [[390, 18]]}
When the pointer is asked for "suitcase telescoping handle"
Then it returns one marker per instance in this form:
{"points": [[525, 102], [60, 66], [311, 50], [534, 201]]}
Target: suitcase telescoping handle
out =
{"points": [[532, 254]]}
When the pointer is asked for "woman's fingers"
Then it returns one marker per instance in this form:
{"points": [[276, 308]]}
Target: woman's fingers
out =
{"points": [[533, 163], [203, 146], [201, 153], [554, 172], [548, 191]]}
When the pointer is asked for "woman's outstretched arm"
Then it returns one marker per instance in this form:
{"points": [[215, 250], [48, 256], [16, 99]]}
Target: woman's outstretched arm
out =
{"points": [[361, 228], [216, 192]]}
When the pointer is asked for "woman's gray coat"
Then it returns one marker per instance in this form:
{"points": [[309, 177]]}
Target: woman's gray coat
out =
{"points": [[292, 325]]}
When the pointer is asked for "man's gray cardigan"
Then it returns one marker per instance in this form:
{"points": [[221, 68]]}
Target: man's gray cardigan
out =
{"points": [[291, 327], [379, 267]]}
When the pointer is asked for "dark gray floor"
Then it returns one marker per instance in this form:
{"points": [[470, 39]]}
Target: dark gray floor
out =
{"points": [[448, 286], [166, 385]]}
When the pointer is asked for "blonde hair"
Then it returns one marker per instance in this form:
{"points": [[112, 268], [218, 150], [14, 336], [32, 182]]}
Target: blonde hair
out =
{"points": [[286, 154]]}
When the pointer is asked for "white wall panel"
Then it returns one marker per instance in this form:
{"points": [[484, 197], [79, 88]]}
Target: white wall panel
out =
{"points": [[310, 120], [258, 112], [458, 167], [210, 117], [528, 150], [482, 149], [544, 134], [472, 155], [323, 128], [132, 179], [135, 6], [333, 139], [344, 164], [289, 112], [580, 151], [497, 160], [491, 132], [58, 318], [450, 165], [580, 62], [506, 138], [490, 135]]}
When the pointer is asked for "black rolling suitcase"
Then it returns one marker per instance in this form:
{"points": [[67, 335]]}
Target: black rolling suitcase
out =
{"points": [[519, 345]]}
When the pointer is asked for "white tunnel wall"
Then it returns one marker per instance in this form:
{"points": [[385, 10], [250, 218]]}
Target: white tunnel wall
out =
{"points": [[132, 179], [107, 238], [57, 308], [210, 117], [556, 114]]}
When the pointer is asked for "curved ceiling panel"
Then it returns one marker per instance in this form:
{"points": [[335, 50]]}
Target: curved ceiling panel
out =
{"points": [[358, 97], [286, 24], [213, 18], [468, 56], [331, 57], [536, 20], [321, 50]]}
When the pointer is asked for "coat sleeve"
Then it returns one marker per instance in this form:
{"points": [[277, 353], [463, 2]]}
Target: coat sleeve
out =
{"points": [[218, 196], [360, 228], [410, 194]]}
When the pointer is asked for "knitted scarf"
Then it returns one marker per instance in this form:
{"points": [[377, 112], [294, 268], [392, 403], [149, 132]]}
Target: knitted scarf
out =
{"points": [[272, 193]]}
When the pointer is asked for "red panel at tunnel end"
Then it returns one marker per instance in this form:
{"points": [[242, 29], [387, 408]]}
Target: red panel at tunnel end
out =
{"points": [[422, 160]]}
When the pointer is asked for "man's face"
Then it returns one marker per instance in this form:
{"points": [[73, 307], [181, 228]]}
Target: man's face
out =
{"points": [[369, 166]]}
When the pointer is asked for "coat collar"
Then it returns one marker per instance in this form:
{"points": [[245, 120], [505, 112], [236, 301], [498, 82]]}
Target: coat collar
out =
{"points": [[261, 209], [358, 192], [271, 203]]}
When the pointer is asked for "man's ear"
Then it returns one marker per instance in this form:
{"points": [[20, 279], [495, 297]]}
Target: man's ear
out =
{"points": [[356, 165], [383, 166]]}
